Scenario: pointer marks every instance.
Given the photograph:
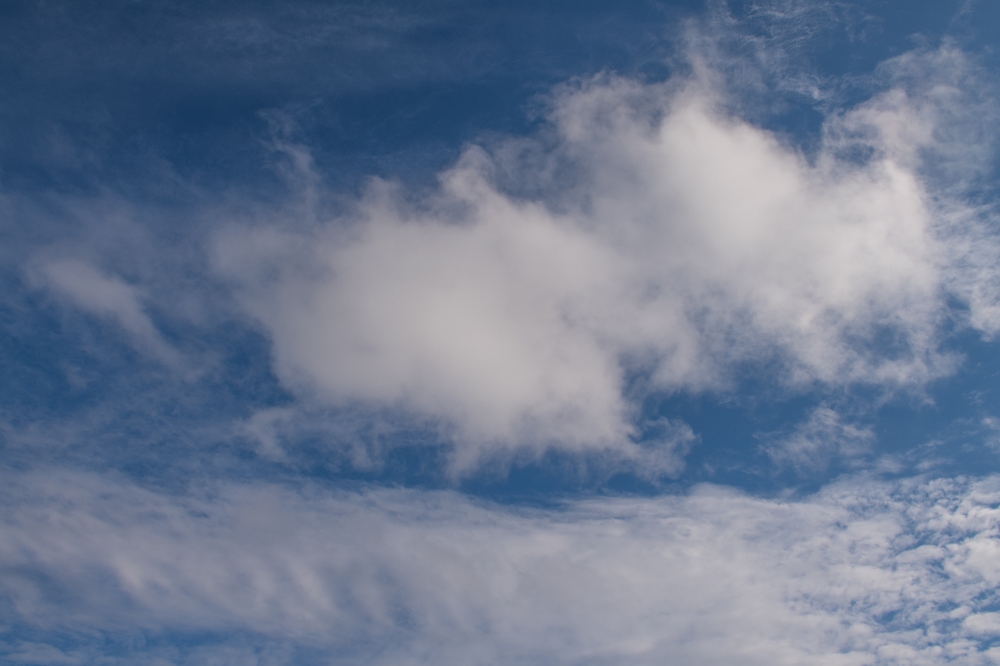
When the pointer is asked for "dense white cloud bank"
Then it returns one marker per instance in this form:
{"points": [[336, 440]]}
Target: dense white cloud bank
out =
{"points": [[653, 232], [864, 573]]}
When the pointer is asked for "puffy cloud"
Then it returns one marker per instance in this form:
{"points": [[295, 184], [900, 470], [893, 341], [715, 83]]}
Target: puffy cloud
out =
{"points": [[651, 233], [863, 573]]}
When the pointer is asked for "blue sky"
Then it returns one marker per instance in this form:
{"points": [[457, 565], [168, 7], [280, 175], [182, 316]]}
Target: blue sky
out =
{"points": [[521, 333]]}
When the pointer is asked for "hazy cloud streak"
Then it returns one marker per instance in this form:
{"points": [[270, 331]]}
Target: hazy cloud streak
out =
{"points": [[864, 573]]}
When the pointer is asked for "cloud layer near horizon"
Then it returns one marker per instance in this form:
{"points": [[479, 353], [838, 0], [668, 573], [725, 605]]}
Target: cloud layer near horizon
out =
{"points": [[864, 573], [651, 234]]}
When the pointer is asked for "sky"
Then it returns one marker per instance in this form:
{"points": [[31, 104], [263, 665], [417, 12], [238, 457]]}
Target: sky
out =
{"points": [[563, 333]]}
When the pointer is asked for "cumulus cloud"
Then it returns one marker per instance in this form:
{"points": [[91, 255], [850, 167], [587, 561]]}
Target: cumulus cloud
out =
{"points": [[651, 233], [864, 573]]}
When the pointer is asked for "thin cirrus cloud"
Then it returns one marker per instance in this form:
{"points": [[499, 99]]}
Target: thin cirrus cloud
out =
{"points": [[865, 572], [823, 438], [684, 245], [106, 296]]}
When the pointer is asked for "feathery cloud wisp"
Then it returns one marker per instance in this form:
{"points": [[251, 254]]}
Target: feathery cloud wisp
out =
{"points": [[865, 572]]}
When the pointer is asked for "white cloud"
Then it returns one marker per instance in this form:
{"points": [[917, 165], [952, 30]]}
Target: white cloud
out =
{"points": [[864, 573], [822, 438], [265, 427], [106, 296], [939, 120], [686, 243]]}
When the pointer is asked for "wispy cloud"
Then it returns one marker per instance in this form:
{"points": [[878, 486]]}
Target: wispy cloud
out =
{"points": [[865, 572], [824, 437], [107, 296]]}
